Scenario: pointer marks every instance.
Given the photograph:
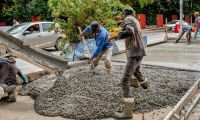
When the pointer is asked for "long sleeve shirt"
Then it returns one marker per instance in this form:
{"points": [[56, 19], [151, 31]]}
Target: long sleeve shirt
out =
{"points": [[8, 73], [197, 22], [100, 39], [133, 37]]}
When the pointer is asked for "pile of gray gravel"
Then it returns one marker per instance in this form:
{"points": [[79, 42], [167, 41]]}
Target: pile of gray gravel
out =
{"points": [[37, 87], [84, 94], [88, 94]]}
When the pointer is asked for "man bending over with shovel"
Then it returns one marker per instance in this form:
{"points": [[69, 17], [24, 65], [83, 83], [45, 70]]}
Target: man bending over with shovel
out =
{"points": [[103, 47]]}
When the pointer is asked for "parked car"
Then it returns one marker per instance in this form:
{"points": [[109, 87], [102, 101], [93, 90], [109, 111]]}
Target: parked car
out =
{"points": [[171, 25], [36, 34], [5, 28]]}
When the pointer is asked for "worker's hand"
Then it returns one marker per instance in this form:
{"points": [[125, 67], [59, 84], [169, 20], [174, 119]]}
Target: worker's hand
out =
{"points": [[81, 36], [91, 58], [120, 23], [109, 39]]}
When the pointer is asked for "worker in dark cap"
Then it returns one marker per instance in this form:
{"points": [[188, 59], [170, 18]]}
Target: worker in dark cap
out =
{"points": [[103, 47], [135, 51], [8, 72]]}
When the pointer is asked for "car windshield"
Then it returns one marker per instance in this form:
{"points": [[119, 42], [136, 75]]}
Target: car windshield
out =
{"points": [[173, 22], [17, 28], [176, 21]]}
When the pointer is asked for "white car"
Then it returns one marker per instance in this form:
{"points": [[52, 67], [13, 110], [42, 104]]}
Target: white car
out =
{"points": [[5, 28], [36, 34], [171, 25]]}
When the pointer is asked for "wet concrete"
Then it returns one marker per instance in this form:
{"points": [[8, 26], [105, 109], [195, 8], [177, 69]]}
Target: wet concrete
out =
{"points": [[181, 55]]}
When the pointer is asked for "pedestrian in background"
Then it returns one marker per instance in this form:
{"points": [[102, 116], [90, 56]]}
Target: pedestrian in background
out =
{"points": [[135, 51], [188, 29], [15, 22], [197, 23]]}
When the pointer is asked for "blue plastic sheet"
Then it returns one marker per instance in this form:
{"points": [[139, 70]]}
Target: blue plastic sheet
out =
{"points": [[79, 51]]}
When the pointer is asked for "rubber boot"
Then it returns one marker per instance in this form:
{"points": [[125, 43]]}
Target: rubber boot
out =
{"points": [[128, 109], [10, 89], [11, 93], [144, 84], [108, 67], [12, 97], [134, 83], [92, 66], [1, 92]]}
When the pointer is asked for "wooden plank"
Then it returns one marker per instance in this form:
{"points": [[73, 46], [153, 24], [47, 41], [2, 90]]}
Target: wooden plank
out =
{"points": [[192, 106], [193, 90]]}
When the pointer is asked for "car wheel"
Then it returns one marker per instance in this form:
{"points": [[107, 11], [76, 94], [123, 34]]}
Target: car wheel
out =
{"points": [[60, 43]]}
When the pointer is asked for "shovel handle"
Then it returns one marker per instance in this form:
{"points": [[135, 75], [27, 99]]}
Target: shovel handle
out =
{"points": [[84, 42]]}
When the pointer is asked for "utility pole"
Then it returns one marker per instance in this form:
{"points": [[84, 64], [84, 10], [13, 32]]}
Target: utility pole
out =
{"points": [[181, 15], [191, 15]]}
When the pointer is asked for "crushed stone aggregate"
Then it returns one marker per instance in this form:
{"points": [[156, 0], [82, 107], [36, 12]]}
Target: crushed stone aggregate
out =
{"points": [[83, 94]]}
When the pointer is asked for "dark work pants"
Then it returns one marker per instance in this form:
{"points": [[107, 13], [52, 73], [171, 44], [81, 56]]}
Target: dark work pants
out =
{"points": [[132, 68], [195, 35], [182, 36]]}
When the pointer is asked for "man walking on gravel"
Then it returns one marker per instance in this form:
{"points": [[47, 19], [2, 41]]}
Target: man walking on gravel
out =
{"points": [[103, 47], [135, 51]]}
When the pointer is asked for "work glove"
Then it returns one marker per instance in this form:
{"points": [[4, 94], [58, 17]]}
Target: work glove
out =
{"points": [[24, 80]]}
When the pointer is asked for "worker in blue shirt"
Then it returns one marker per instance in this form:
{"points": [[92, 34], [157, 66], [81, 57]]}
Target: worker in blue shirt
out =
{"points": [[103, 47]]}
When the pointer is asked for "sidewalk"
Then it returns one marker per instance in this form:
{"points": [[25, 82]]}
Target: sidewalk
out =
{"points": [[180, 55]]}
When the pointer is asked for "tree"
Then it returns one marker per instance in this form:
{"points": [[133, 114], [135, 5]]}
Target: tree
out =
{"points": [[39, 8], [165, 7], [25, 9], [142, 3], [83, 12]]}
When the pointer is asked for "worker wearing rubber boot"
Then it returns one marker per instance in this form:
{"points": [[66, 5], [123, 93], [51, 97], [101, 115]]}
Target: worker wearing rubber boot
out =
{"points": [[135, 51], [11, 60], [103, 47], [8, 81]]}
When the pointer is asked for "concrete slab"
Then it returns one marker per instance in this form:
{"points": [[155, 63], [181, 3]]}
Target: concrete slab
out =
{"points": [[26, 67], [153, 38], [173, 55], [23, 109], [32, 71]]}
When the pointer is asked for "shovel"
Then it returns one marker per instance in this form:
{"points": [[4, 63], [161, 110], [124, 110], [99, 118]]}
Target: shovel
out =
{"points": [[85, 44]]}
